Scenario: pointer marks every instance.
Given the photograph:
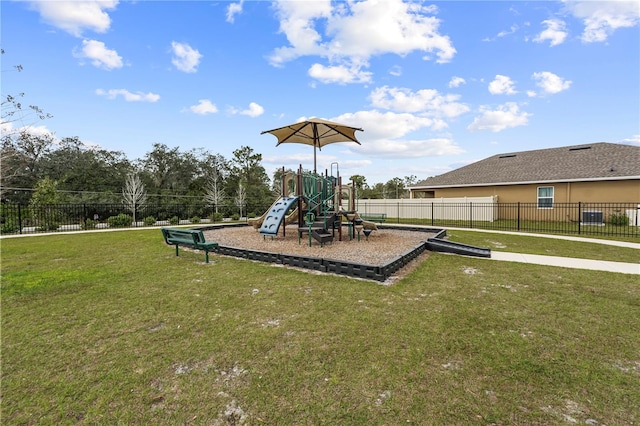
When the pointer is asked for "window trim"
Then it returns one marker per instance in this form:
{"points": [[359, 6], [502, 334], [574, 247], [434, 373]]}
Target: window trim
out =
{"points": [[552, 197]]}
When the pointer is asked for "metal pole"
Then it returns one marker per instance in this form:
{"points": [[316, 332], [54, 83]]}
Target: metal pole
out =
{"points": [[432, 217], [20, 218], [579, 217]]}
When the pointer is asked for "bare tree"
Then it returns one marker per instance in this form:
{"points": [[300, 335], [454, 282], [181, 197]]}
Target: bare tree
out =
{"points": [[214, 192], [13, 110], [133, 194], [16, 122], [241, 197]]}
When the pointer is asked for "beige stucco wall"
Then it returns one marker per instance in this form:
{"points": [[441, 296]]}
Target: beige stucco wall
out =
{"points": [[588, 193], [565, 192]]}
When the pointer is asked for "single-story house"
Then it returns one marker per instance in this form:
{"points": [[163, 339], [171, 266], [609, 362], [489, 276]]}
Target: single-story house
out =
{"points": [[593, 173]]}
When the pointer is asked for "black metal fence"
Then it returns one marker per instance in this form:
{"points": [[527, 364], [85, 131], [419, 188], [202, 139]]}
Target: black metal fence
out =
{"points": [[21, 219], [587, 219], [597, 219]]}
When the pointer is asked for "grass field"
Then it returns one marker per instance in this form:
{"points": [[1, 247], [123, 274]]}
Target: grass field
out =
{"points": [[112, 328]]}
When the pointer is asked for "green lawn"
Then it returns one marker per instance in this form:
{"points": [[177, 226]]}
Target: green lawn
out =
{"points": [[112, 328]]}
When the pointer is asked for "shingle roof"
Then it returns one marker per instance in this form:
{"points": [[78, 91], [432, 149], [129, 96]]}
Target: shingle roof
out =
{"points": [[596, 161]]}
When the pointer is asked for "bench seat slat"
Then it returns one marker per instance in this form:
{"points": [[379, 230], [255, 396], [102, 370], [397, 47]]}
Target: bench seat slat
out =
{"points": [[374, 217]]}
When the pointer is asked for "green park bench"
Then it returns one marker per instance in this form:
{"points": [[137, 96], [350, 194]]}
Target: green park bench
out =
{"points": [[193, 238], [374, 217]]}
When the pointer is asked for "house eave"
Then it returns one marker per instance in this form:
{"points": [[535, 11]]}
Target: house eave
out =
{"points": [[539, 182]]}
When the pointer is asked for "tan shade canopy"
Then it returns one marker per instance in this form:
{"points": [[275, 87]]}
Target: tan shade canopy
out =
{"points": [[315, 132]]}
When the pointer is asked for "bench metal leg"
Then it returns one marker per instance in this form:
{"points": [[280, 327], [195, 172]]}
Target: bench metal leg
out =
{"points": [[176, 249], [206, 256]]}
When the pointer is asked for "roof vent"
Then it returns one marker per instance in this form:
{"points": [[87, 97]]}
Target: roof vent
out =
{"points": [[579, 148], [507, 156]]}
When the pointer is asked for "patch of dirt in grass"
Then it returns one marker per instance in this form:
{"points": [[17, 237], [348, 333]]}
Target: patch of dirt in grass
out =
{"points": [[632, 367], [496, 244], [382, 397], [232, 415], [571, 413], [470, 271]]}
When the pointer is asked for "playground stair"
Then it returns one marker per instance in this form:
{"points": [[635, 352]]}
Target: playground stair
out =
{"points": [[320, 228], [322, 236]]}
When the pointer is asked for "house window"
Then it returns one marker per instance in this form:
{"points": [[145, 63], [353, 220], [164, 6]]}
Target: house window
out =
{"points": [[545, 197]]}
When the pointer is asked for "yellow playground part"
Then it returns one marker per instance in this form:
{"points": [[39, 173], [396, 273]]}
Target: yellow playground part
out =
{"points": [[367, 224], [256, 222]]}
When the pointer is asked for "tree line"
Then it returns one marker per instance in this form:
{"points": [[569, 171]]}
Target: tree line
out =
{"points": [[79, 174]]}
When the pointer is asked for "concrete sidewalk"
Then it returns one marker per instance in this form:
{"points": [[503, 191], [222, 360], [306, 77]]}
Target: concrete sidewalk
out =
{"points": [[568, 262], [557, 237]]}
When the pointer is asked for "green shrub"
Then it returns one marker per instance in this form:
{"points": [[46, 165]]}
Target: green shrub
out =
{"points": [[89, 224], [149, 221], [195, 219], [49, 226], [174, 220], [235, 216], [251, 215], [120, 221], [618, 218], [9, 227], [216, 217]]}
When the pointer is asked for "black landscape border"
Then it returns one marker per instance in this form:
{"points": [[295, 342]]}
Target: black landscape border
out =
{"points": [[378, 273]]}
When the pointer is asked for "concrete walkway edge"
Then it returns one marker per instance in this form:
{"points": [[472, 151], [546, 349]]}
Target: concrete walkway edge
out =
{"points": [[568, 262]]}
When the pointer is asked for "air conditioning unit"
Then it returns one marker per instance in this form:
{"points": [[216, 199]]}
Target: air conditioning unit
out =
{"points": [[592, 217]]}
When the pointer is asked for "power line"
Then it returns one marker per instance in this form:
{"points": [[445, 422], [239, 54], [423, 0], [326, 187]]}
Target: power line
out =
{"points": [[68, 191]]}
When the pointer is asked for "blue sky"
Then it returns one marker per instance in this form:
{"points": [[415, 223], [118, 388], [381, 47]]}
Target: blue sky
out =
{"points": [[434, 85]]}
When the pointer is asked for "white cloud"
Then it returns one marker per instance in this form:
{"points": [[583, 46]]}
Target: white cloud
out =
{"points": [[8, 128], [100, 56], [556, 32], [185, 57], [504, 117], [76, 16], [396, 71], [254, 110], [551, 83], [339, 74], [413, 148], [502, 85], [504, 33], [427, 101], [128, 96], [204, 107], [456, 81], [234, 9], [349, 33], [633, 140], [602, 18], [385, 125]]}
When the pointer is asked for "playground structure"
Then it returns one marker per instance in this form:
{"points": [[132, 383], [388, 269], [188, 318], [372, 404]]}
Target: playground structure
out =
{"points": [[320, 204]]}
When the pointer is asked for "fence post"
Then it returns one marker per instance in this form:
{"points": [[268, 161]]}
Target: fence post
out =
{"points": [[579, 217], [398, 214], [518, 215], [20, 218], [470, 215], [432, 218]]}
